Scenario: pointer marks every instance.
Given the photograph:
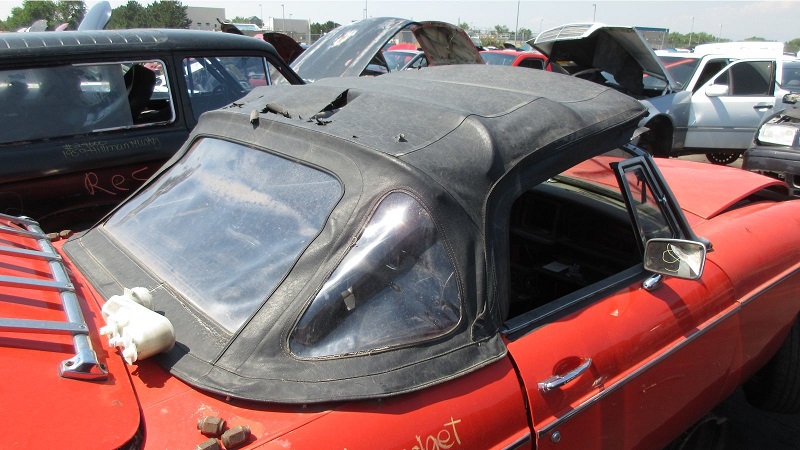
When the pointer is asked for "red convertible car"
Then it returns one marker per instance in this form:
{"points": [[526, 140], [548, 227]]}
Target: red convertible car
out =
{"points": [[500, 269]]}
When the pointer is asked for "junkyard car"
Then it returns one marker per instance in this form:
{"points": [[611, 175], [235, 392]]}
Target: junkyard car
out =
{"points": [[714, 110], [405, 59], [530, 59], [776, 148], [87, 116], [355, 50], [500, 269]]}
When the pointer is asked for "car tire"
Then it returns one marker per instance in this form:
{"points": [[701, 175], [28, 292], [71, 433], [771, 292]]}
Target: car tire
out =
{"points": [[709, 433], [722, 158], [776, 387]]}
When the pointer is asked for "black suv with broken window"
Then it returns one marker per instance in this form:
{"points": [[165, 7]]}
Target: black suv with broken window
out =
{"points": [[88, 116]]}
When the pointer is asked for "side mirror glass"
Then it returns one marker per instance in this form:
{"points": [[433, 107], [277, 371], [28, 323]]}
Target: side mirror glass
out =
{"points": [[675, 257], [717, 90]]}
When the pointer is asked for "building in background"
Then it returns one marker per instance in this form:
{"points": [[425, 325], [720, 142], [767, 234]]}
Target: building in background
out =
{"points": [[205, 18], [298, 29]]}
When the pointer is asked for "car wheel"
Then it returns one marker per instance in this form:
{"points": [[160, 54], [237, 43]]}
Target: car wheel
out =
{"points": [[722, 158], [776, 387], [709, 433]]}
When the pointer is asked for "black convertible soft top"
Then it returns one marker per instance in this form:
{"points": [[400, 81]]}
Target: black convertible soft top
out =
{"points": [[462, 140]]}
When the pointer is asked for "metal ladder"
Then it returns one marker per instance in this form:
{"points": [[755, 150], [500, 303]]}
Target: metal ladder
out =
{"points": [[84, 365]]}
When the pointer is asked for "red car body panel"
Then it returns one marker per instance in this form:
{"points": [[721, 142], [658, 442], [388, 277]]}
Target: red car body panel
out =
{"points": [[442, 415], [628, 367], [645, 383], [31, 386], [729, 185]]}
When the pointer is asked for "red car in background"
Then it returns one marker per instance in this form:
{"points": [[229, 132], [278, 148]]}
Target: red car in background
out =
{"points": [[530, 59]]}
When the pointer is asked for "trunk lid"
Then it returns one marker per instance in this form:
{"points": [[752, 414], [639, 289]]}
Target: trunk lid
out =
{"points": [[105, 405], [619, 51]]}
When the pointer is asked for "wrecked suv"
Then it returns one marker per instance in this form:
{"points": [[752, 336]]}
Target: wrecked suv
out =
{"points": [[501, 269], [88, 116]]}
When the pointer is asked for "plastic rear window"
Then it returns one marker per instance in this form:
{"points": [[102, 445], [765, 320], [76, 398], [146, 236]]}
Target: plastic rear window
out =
{"points": [[395, 287], [225, 225]]}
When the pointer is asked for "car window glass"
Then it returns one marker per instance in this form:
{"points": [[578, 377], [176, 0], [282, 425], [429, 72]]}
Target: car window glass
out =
{"points": [[214, 82], [532, 63], [500, 59], [748, 78], [396, 286], [275, 75], [225, 224], [77, 99], [680, 68], [649, 217], [790, 77], [420, 62], [711, 68]]}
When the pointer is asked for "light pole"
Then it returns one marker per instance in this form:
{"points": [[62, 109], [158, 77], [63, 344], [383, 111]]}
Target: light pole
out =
{"points": [[594, 12], [719, 37], [541, 21], [262, 15], [283, 16], [516, 30], [366, 9], [691, 33]]}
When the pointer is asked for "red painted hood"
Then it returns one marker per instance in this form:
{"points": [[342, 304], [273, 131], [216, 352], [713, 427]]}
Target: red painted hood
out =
{"points": [[45, 410], [706, 190], [703, 190]]}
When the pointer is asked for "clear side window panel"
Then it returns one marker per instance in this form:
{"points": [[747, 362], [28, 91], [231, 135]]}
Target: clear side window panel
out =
{"points": [[396, 286], [709, 70], [79, 99], [648, 215], [419, 63], [275, 75], [749, 78], [214, 82]]}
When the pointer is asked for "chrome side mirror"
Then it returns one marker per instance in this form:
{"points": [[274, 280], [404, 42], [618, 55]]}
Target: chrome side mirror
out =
{"points": [[675, 257]]}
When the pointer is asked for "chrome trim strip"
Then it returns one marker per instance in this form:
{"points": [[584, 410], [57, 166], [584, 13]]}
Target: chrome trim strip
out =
{"points": [[519, 442], [28, 325], [736, 307], [22, 252], [35, 283]]}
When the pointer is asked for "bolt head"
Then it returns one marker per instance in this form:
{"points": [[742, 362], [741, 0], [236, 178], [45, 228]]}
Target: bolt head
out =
{"points": [[211, 426]]}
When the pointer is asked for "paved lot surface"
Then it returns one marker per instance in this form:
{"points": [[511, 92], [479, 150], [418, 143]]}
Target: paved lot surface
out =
{"points": [[747, 427]]}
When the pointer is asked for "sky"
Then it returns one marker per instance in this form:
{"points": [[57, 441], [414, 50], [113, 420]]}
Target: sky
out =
{"points": [[730, 19]]}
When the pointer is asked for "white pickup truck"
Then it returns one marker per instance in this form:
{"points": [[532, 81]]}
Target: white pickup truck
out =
{"points": [[709, 101]]}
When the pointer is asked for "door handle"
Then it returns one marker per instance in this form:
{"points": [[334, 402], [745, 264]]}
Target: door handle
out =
{"points": [[763, 106], [556, 381]]}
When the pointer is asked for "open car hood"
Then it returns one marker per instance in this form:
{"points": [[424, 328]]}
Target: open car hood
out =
{"points": [[288, 48], [349, 50], [620, 51], [97, 18]]}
